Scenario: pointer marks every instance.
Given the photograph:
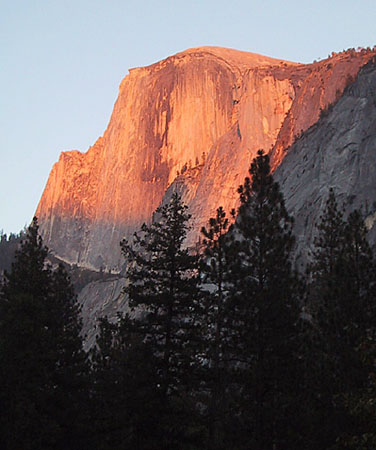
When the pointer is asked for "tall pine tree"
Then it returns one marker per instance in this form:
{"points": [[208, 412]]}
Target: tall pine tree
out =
{"points": [[43, 369], [164, 294], [127, 404], [342, 294], [264, 313], [216, 259]]}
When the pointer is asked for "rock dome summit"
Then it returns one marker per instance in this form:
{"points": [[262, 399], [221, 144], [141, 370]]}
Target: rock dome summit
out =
{"points": [[192, 122]]}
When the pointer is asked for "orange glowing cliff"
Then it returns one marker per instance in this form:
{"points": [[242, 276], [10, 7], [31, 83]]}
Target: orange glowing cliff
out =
{"points": [[194, 120]]}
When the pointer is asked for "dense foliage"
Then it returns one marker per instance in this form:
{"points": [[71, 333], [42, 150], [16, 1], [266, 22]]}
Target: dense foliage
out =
{"points": [[43, 369], [224, 347], [8, 247]]}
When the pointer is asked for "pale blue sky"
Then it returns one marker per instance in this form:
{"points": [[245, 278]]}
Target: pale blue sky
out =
{"points": [[61, 62]]}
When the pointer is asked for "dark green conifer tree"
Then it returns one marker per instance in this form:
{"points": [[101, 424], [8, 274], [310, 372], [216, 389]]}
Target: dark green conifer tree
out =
{"points": [[342, 296], [43, 369], [217, 368], [164, 294], [323, 272], [264, 314], [127, 404]]}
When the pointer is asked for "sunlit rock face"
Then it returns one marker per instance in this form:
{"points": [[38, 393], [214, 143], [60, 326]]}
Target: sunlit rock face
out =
{"points": [[191, 122]]}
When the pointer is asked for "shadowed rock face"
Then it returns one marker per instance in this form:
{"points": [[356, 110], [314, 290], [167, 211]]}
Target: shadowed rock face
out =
{"points": [[339, 151], [202, 114]]}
